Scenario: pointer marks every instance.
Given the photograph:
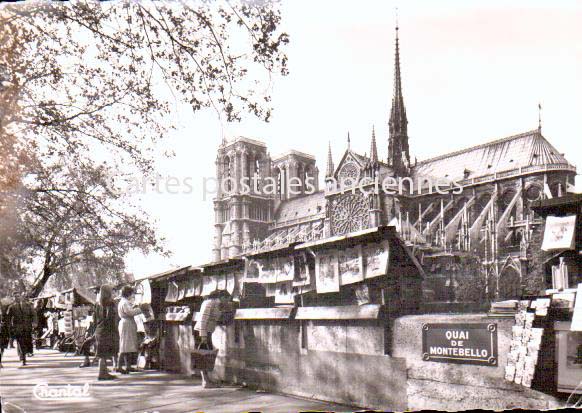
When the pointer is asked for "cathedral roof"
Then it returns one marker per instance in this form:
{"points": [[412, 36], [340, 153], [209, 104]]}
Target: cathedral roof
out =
{"points": [[301, 208], [363, 160], [510, 153]]}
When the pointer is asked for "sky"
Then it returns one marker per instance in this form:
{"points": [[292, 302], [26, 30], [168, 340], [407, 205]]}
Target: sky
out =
{"points": [[472, 72]]}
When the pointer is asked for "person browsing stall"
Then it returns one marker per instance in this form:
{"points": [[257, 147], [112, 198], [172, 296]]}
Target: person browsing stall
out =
{"points": [[105, 330], [127, 328], [208, 317]]}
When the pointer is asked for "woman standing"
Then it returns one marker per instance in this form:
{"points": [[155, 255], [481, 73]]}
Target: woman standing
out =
{"points": [[127, 328], [105, 331]]}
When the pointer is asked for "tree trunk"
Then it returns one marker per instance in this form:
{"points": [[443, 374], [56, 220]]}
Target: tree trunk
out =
{"points": [[40, 282]]}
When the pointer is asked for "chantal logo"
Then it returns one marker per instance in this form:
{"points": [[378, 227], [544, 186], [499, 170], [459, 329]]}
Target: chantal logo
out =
{"points": [[42, 391]]}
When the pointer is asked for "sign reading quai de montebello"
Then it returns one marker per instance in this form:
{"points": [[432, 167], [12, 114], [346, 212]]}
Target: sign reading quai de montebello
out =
{"points": [[460, 343]]}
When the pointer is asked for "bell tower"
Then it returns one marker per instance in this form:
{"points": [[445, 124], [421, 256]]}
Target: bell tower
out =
{"points": [[242, 208]]}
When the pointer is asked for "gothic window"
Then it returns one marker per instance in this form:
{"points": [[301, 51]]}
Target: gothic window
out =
{"points": [[310, 177], [249, 165], [301, 176], [509, 284], [281, 182], [257, 172], [349, 174], [257, 165], [533, 193], [228, 171], [350, 212]]}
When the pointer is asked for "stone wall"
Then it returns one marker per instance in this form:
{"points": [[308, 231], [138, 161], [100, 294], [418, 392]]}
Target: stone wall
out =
{"points": [[445, 386], [345, 361]]}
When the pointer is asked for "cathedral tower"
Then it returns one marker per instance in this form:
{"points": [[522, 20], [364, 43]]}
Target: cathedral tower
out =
{"points": [[242, 209]]}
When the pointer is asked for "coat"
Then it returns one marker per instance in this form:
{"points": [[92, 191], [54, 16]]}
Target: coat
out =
{"points": [[4, 332], [127, 327], [20, 320], [106, 337]]}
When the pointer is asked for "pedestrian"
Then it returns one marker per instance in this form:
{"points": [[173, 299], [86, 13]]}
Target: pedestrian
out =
{"points": [[127, 329], [85, 349], [20, 322], [53, 328], [210, 311], [4, 332], [105, 330]]}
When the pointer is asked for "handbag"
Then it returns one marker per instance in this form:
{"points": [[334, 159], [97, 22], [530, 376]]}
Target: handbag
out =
{"points": [[203, 359], [141, 361]]}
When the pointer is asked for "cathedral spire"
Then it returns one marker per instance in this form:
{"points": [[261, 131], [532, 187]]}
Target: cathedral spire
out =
{"points": [[373, 149], [349, 143], [330, 168], [398, 153]]}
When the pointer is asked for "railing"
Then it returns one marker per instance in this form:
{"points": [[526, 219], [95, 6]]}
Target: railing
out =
{"points": [[516, 172], [296, 221], [267, 244]]}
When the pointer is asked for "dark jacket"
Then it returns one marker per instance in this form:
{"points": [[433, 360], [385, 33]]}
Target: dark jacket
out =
{"points": [[20, 318], [106, 333]]}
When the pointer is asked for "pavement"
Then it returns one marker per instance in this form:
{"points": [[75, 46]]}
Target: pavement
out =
{"points": [[51, 382]]}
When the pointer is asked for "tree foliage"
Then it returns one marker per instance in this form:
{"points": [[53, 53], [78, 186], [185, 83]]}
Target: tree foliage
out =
{"points": [[87, 90]]}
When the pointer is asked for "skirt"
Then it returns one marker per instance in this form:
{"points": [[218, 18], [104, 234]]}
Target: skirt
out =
{"points": [[127, 336], [107, 345]]}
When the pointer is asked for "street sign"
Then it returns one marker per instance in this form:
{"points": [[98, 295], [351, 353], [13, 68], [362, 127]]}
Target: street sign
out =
{"points": [[460, 343]]}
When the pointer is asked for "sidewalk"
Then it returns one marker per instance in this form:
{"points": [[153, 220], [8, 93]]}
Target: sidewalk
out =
{"points": [[150, 391]]}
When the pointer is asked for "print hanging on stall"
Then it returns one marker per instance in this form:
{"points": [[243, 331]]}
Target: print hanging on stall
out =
{"points": [[143, 292], [238, 286], [362, 293], [327, 277], [270, 290], [172, 293], [193, 288], [284, 293], [221, 282], [375, 257], [230, 284], [208, 285], [252, 271], [350, 266], [284, 269], [181, 290], [268, 273], [559, 233], [302, 276]]}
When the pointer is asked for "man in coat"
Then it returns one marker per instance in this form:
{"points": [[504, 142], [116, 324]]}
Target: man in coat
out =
{"points": [[20, 323]]}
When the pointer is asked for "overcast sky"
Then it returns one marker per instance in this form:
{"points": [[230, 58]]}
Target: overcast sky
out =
{"points": [[473, 71]]}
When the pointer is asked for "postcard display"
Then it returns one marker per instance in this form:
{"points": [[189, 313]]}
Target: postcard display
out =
{"points": [[202, 286], [525, 344], [179, 306], [340, 267], [282, 277], [286, 277]]}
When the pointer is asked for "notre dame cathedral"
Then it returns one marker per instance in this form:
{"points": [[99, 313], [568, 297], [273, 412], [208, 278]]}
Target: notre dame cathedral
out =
{"points": [[477, 231]]}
